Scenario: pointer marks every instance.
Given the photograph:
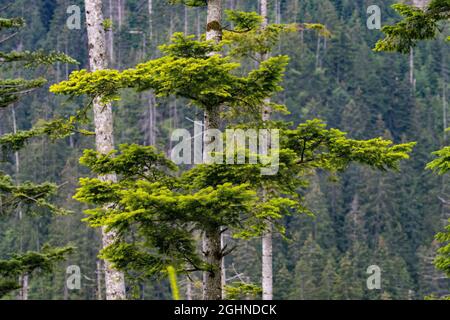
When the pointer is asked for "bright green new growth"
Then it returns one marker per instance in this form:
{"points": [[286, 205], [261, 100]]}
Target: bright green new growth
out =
{"points": [[249, 39], [157, 214], [173, 282]]}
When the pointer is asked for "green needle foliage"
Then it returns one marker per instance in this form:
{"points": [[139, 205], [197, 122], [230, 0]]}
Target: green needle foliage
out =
{"points": [[441, 165], [417, 25], [27, 264], [28, 197]]}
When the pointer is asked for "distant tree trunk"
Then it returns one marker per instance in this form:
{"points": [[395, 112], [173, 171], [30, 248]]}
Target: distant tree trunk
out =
{"points": [[103, 120], [111, 36], [188, 289], [23, 292], [277, 11], [199, 28], [150, 127], [212, 242], [150, 18], [267, 269], [444, 67], [23, 279], [186, 21], [318, 52]]}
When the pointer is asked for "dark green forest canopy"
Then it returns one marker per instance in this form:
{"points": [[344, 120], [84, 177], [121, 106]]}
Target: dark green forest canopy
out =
{"points": [[423, 24], [27, 197]]}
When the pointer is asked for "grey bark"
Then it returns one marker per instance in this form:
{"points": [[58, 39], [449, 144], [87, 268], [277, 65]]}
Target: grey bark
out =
{"points": [[412, 80], [150, 18], [103, 121], [99, 280]]}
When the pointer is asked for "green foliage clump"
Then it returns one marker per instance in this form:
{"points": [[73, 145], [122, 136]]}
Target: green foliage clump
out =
{"points": [[27, 263], [417, 25], [242, 290]]}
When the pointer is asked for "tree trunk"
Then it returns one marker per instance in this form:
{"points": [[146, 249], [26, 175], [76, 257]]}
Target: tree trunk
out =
{"points": [[186, 21], [103, 120], [23, 292], [412, 81], [188, 289], [212, 251], [111, 36], [267, 270], [150, 18], [99, 280], [23, 279], [277, 11], [212, 248]]}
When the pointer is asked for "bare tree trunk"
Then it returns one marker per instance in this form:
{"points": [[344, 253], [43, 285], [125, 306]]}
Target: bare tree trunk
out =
{"points": [[444, 95], [199, 32], [318, 52], [150, 18], [186, 21], [267, 266], [213, 21], [151, 119], [103, 120], [23, 279], [267, 270], [111, 36]]}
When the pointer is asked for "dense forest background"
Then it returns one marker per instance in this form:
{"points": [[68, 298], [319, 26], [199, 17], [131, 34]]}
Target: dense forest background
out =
{"points": [[363, 218]]}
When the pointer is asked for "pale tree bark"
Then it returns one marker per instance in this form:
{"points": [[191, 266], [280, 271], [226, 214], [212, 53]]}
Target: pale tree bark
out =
{"points": [[188, 289], [412, 80], [23, 279], [103, 121], [212, 240], [150, 18], [198, 23], [267, 269], [111, 35], [277, 11]]}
